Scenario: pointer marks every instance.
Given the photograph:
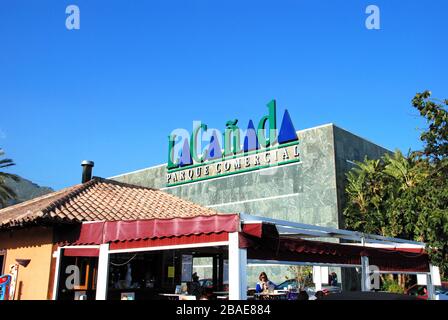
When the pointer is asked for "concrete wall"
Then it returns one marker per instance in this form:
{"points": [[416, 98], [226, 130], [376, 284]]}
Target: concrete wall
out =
{"points": [[35, 244], [350, 148], [311, 191], [303, 192]]}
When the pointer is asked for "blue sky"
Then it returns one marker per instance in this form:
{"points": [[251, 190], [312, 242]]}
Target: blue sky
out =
{"points": [[113, 90]]}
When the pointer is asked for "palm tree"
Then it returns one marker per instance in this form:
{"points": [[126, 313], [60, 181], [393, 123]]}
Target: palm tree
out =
{"points": [[406, 170], [6, 193], [365, 190]]}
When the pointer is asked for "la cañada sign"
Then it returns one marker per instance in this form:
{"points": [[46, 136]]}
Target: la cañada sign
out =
{"points": [[240, 150]]}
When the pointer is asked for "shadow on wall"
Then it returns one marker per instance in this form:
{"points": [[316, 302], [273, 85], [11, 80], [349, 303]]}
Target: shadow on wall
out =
{"points": [[20, 290], [33, 237]]}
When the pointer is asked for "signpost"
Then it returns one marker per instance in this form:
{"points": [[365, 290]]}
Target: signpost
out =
{"points": [[14, 272]]}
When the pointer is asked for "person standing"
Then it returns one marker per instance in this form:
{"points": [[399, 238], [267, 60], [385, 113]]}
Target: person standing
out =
{"points": [[195, 287], [333, 279]]}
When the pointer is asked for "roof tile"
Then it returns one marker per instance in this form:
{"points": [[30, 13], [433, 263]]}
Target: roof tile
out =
{"points": [[101, 199]]}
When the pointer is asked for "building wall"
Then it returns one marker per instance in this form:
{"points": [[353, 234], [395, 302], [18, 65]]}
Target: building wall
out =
{"points": [[350, 148], [302, 192], [35, 244], [311, 191]]}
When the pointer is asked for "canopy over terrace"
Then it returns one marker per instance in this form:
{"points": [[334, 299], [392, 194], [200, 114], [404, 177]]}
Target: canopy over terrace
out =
{"points": [[264, 242], [57, 218], [249, 239]]}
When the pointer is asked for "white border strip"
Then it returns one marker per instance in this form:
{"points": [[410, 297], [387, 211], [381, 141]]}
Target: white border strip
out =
{"points": [[392, 245], [254, 200], [139, 170], [235, 174], [82, 247], [257, 262], [402, 272], [314, 128], [172, 247]]}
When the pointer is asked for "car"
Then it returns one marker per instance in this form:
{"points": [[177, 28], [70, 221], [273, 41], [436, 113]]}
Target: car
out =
{"points": [[286, 284], [441, 293], [207, 286], [420, 292], [445, 285], [206, 283], [293, 284], [359, 295]]}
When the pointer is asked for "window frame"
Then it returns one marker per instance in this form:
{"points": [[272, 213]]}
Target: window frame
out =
{"points": [[2, 264]]}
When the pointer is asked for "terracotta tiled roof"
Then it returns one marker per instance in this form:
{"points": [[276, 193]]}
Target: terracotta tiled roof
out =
{"points": [[100, 200]]}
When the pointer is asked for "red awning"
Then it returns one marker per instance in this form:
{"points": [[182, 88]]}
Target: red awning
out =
{"points": [[170, 241], [261, 240], [113, 231], [90, 233], [266, 246], [260, 230], [81, 252]]}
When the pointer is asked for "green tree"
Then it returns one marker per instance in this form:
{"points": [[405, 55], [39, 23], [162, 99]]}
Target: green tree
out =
{"points": [[432, 223], [6, 193], [303, 275], [366, 190], [436, 137], [379, 195], [407, 196]]}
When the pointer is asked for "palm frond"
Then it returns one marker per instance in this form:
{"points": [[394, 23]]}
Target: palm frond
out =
{"points": [[6, 161], [6, 193], [13, 177], [7, 165]]}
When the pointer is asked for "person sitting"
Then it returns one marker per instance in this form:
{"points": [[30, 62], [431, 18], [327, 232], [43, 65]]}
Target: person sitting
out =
{"points": [[319, 295], [195, 288], [303, 295], [264, 285]]}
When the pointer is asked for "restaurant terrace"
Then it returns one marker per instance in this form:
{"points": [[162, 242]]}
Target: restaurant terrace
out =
{"points": [[240, 239], [112, 240]]}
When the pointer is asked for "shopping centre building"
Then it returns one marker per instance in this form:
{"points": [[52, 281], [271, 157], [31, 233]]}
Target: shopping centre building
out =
{"points": [[309, 191], [307, 186], [245, 201]]}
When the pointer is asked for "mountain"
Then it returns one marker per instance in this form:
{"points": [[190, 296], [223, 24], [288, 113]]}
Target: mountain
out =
{"points": [[26, 190]]}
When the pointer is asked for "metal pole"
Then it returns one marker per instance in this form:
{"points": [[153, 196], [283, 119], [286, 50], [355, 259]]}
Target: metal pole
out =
{"points": [[215, 273], [103, 272], [221, 272], [317, 277], [57, 253], [237, 269], [365, 276], [430, 284]]}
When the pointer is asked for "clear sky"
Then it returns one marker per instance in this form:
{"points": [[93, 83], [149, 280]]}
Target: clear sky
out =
{"points": [[112, 91]]}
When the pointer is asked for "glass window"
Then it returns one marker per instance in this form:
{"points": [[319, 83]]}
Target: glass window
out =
{"points": [[2, 261]]}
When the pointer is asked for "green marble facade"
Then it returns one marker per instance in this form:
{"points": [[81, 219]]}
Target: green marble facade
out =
{"points": [[311, 191]]}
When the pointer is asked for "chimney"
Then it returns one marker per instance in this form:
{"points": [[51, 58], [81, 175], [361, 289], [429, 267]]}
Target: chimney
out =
{"points": [[87, 170]]}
